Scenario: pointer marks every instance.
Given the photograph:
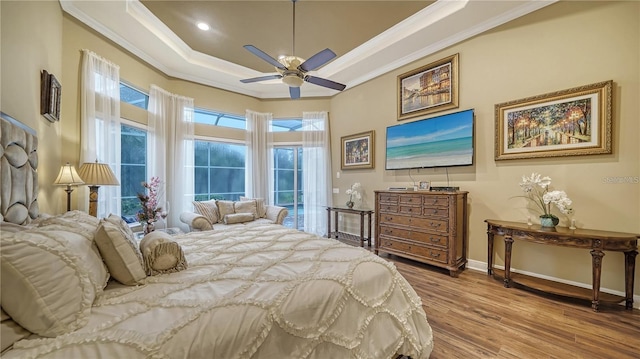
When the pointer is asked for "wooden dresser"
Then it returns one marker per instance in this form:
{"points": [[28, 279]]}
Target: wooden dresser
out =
{"points": [[430, 227]]}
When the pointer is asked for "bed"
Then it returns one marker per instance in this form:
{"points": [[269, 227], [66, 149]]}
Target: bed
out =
{"points": [[254, 291]]}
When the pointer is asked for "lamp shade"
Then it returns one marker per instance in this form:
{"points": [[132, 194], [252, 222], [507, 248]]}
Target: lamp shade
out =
{"points": [[68, 176], [98, 174]]}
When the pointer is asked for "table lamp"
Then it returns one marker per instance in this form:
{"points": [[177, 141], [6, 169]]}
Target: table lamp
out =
{"points": [[68, 177], [95, 175]]}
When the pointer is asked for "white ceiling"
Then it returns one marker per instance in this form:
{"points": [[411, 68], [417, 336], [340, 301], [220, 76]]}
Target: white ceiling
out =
{"points": [[370, 38]]}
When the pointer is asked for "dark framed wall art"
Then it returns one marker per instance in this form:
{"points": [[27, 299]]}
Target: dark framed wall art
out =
{"points": [[50, 93]]}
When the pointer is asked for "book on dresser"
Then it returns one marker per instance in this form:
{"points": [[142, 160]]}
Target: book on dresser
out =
{"points": [[429, 227]]}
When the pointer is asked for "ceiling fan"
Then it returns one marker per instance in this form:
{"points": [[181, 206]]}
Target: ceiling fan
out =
{"points": [[293, 70]]}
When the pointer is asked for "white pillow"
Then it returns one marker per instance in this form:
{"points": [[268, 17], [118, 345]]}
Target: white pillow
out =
{"points": [[47, 285], [121, 253], [162, 254], [10, 331]]}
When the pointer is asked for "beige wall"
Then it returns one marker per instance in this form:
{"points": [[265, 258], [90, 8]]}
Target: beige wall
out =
{"points": [[565, 45], [31, 41]]}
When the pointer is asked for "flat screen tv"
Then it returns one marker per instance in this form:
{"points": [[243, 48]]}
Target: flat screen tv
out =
{"points": [[440, 141]]}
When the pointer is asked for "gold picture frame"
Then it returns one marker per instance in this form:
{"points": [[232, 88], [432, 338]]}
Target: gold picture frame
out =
{"points": [[428, 89], [358, 151], [570, 122]]}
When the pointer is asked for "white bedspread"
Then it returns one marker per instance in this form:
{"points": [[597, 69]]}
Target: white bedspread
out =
{"points": [[254, 291]]}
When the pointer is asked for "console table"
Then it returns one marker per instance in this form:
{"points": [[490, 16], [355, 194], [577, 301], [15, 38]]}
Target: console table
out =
{"points": [[341, 235], [596, 241]]}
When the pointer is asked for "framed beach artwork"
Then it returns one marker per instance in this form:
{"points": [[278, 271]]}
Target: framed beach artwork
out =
{"points": [[571, 122], [358, 151], [428, 89]]}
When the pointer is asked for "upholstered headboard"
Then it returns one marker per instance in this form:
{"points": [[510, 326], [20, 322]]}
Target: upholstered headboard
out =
{"points": [[18, 171]]}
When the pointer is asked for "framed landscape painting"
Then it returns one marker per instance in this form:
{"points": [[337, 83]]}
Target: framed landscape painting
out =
{"points": [[571, 122], [358, 151], [428, 89]]}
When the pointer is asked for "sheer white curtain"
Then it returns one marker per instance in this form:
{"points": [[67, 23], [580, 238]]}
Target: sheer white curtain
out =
{"points": [[316, 171], [258, 173], [100, 125], [170, 146]]}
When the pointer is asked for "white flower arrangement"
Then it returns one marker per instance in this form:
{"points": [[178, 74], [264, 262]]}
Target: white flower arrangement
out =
{"points": [[537, 191], [354, 192]]}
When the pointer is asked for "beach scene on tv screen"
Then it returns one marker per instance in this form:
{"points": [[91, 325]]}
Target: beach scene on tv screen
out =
{"points": [[437, 142]]}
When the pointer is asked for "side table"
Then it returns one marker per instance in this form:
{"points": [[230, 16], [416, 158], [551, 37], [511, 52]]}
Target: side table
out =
{"points": [[342, 235]]}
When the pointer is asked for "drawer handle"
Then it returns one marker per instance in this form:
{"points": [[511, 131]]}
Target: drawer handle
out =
{"points": [[435, 211], [388, 231], [435, 255], [388, 218], [434, 240], [433, 224]]}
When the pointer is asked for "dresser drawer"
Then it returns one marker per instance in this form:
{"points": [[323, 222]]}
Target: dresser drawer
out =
{"points": [[433, 254], [442, 201], [414, 199], [435, 211], [389, 197], [428, 224], [410, 210], [388, 208], [431, 239]]}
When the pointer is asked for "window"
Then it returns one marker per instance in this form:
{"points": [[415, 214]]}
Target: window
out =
{"points": [[219, 170], [220, 119], [284, 125], [134, 97], [287, 174], [133, 167]]}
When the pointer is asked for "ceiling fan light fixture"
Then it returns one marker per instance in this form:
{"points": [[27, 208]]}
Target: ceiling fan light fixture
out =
{"points": [[293, 79]]}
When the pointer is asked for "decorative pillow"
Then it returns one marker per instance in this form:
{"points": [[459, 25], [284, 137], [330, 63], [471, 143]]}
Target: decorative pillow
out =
{"points": [[224, 208], [124, 227], [260, 206], [73, 219], [48, 285], [238, 218], [246, 207], [208, 209], [121, 253], [162, 254], [10, 331]]}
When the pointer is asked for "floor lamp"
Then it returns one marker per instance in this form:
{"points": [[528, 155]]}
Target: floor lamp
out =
{"points": [[68, 177], [95, 175]]}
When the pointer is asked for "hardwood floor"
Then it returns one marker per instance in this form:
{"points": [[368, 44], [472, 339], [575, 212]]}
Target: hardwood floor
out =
{"points": [[474, 316]]}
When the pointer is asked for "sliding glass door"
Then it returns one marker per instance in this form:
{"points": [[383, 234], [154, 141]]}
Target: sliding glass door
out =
{"points": [[287, 173]]}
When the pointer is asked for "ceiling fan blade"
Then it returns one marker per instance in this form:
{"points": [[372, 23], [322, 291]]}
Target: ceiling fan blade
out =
{"points": [[325, 83], [294, 92], [261, 78], [317, 60], [263, 55]]}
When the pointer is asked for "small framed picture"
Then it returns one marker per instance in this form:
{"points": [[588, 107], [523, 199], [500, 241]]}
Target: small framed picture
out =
{"points": [[357, 151], [50, 93], [424, 185]]}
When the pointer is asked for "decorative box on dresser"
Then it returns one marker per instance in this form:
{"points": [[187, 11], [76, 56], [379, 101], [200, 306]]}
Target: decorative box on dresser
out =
{"points": [[429, 227]]}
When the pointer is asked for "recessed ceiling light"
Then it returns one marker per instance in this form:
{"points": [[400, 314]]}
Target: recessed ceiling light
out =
{"points": [[203, 26]]}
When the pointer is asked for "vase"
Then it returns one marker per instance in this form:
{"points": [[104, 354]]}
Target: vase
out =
{"points": [[350, 204], [549, 221], [148, 227]]}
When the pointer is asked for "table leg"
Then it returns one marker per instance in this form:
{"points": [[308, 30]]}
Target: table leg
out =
{"points": [[596, 256], [490, 250], [361, 229], [369, 231], [328, 222], [508, 243], [629, 274], [335, 217]]}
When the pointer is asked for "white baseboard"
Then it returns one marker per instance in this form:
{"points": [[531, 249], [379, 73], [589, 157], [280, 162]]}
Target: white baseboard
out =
{"points": [[482, 267]]}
